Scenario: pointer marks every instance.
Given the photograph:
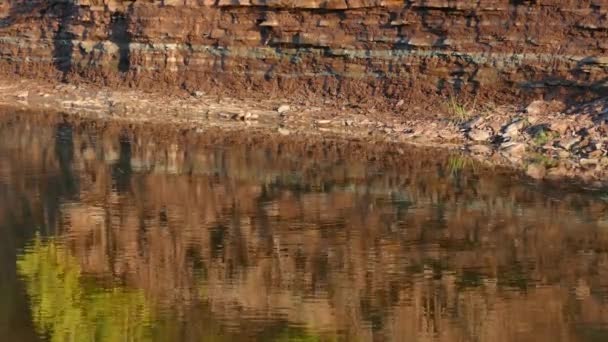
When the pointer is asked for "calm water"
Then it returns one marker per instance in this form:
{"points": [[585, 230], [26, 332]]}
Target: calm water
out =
{"points": [[113, 234]]}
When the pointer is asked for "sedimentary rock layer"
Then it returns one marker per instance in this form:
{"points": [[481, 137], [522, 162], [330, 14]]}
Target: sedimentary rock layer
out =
{"points": [[363, 50]]}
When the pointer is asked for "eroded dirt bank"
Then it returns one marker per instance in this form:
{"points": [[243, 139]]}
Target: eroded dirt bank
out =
{"points": [[546, 139]]}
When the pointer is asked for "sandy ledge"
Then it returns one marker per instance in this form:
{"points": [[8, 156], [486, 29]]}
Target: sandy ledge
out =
{"points": [[546, 140]]}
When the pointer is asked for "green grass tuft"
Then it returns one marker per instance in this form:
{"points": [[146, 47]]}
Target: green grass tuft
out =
{"points": [[458, 163], [546, 161], [460, 112], [543, 136]]}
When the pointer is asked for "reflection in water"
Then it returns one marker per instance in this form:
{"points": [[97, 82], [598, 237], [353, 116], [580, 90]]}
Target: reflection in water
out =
{"points": [[65, 308], [126, 235]]}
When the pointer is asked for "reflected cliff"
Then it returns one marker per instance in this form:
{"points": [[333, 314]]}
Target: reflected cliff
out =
{"points": [[142, 233]]}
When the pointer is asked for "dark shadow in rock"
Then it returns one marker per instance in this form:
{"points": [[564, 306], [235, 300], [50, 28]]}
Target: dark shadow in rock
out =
{"points": [[62, 40], [119, 35]]}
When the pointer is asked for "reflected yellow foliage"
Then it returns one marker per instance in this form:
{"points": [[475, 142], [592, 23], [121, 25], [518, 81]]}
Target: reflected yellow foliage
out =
{"points": [[65, 309]]}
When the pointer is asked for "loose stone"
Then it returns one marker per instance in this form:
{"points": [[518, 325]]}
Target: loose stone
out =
{"points": [[560, 126], [537, 107], [567, 144], [536, 171], [514, 149], [479, 135], [283, 109], [512, 130]]}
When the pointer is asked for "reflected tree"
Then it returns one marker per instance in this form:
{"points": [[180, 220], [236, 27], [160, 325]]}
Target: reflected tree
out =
{"points": [[66, 308]]}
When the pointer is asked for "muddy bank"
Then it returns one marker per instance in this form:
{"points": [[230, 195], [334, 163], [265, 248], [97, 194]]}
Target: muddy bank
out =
{"points": [[546, 140]]}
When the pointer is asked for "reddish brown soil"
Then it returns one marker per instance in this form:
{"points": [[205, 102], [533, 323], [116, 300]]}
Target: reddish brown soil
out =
{"points": [[370, 54]]}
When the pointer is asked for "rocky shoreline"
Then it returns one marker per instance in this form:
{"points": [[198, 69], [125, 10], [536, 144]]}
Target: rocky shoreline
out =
{"points": [[547, 140]]}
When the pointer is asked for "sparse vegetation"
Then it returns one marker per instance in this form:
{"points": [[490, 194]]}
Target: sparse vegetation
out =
{"points": [[543, 136], [542, 159], [458, 163], [460, 111]]}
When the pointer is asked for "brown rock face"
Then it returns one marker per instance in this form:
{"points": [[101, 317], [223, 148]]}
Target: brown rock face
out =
{"points": [[367, 51]]}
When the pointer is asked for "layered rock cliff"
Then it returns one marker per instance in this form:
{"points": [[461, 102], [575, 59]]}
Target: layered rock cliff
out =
{"points": [[378, 51]]}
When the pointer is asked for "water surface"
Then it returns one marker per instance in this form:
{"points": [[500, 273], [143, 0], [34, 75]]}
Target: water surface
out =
{"points": [[118, 233]]}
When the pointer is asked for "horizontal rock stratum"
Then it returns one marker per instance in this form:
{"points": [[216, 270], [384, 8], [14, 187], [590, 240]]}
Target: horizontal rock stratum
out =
{"points": [[353, 50]]}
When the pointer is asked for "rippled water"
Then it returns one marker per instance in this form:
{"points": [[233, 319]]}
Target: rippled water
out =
{"points": [[114, 233]]}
